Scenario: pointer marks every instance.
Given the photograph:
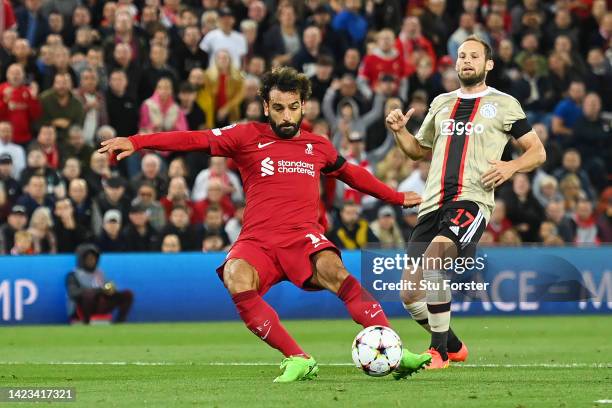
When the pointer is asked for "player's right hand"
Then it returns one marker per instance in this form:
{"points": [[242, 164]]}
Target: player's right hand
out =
{"points": [[396, 120], [411, 199], [117, 144]]}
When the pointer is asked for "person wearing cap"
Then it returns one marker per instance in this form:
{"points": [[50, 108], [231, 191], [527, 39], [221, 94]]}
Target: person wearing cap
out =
{"points": [[109, 239], [12, 187], [138, 234], [13, 150], [225, 38], [17, 220], [386, 228], [90, 292]]}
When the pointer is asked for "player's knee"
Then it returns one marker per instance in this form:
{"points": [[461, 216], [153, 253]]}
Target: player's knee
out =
{"points": [[411, 296], [239, 276]]}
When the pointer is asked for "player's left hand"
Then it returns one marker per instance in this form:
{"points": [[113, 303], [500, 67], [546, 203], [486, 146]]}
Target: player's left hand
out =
{"points": [[499, 172], [411, 199]]}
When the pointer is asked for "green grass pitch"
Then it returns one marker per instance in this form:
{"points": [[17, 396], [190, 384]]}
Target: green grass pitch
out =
{"points": [[514, 362]]}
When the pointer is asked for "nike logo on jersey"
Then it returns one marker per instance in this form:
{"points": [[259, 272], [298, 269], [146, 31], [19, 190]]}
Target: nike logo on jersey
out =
{"points": [[262, 145]]}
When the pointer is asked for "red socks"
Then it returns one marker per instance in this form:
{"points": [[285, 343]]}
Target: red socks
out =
{"points": [[363, 308], [262, 320]]}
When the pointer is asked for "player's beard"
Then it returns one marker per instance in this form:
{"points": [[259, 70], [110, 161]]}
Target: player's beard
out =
{"points": [[286, 130], [472, 78]]}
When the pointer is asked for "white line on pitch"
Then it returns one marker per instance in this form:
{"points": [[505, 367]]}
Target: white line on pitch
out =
{"points": [[249, 364], [604, 401]]}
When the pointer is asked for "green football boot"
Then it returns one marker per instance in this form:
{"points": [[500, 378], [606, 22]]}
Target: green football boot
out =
{"points": [[297, 368], [410, 364]]}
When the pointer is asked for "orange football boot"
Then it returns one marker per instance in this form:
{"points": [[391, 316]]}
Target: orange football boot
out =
{"points": [[460, 356], [436, 360]]}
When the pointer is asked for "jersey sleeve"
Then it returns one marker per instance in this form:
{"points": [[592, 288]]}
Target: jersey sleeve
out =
{"points": [[515, 122], [226, 141], [333, 160], [427, 131]]}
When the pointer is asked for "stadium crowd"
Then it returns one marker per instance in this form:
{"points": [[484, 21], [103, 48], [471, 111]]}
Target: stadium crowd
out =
{"points": [[74, 73]]}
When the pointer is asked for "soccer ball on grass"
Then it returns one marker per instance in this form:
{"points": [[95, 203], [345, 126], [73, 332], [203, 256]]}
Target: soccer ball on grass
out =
{"points": [[377, 350]]}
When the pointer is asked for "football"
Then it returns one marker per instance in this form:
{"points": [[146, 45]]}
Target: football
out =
{"points": [[377, 350]]}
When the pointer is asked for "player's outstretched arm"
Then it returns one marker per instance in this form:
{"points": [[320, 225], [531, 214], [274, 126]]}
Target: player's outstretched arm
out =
{"points": [[362, 180], [396, 122], [174, 141], [533, 156]]}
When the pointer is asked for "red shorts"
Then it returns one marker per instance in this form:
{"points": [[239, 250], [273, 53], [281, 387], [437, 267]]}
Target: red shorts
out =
{"points": [[288, 258]]}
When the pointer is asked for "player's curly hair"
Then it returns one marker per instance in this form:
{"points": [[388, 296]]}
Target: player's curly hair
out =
{"points": [[285, 79]]}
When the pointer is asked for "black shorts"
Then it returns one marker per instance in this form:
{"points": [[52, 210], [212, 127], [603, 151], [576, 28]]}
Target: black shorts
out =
{"points": [[460, 221]]}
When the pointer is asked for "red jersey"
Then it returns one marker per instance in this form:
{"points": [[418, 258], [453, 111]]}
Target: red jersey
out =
{"points": [[375, 65], [280, 176]]}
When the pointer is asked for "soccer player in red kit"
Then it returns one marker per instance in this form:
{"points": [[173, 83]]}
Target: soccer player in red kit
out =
{"points": [[281, 239]]}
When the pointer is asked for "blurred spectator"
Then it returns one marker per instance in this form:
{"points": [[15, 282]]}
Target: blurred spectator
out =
{"points": [[505, 69], [68, 231], [37, 165], [604, 221], [351, 231], [423, 79], [568, 111], [160, 113], [223, 91], [225, 38], [394, 166], [46, 141], [124, 33], [123, 60], [467, 27], [510, 237], [234, 224], [350, 23], [552, 147], [60, 108], [24, 244], [178, 196], [249, 29], [90, 292], [146, 196], [60, 64], [11, 150], [549, 235], [171, 244], [77, 147], [19, 105], [572, 191], [193, 113], [31, 24], [97, 171], [113, 197], [109, 239], [216, 196], [151, 172], [214, 225], [532, 90], [93, 103], [555, 213], [336, 43], [35, 195], [592, 135], [387, 229], [12, 188], [599, 77], [585, 224], [282, 40], [123, 111], [545, 189], [217, 171], [70, 171], [385, 60], [322, 78], [350, 63], [523, 210], [212, 243], [498, 222], [437, 25], [413, 45], [179, 225], [305, 59], [571, 164], [17, 220], [81, 201], [155, 71], [41, 228], [138, 234], [529, 47]]}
